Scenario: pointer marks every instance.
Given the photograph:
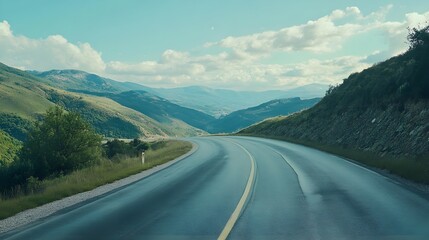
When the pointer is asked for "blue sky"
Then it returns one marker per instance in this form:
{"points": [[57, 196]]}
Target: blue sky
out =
{"points": [[236, 44]]}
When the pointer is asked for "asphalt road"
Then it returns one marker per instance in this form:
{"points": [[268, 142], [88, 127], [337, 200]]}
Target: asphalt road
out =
{"points": [[247, 188]]}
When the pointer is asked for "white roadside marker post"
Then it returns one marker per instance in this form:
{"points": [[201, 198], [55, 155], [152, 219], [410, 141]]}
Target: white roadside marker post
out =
{"points": [[143, 157]]}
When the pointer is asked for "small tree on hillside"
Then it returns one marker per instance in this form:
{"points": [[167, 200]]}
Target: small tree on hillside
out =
{"points": [[116, 147], [418, 37], [131, 149], [418, 84], [61, 143], [139, 146]]}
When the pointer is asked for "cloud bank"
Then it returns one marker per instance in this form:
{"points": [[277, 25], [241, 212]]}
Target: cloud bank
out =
{"points": [[241, 61]]}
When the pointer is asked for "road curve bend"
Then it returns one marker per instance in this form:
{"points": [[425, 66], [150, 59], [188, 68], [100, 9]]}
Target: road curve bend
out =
{"points": [[247, 188]]}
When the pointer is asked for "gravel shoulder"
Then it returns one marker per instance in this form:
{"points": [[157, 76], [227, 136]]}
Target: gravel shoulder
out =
{"points": [[31, 215]]}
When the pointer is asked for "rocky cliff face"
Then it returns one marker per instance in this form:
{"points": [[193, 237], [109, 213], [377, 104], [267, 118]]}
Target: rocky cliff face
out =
{"points": [[393, 131], [383, 110]]}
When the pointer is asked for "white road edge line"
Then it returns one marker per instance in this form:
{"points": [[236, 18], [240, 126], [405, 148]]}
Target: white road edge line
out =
{"points": [[292, 167], [234, 216], [47, 209]]}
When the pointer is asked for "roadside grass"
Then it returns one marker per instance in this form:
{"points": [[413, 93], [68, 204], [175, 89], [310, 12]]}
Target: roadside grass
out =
{"points": [[415, 169], [89, 178]]}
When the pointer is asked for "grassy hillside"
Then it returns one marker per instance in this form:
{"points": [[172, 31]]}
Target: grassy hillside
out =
{"points": [[379, 116], [159, 109], [246, 117], [80, 80], [24, 97], [20, 94], [215, 102], [8, 149]]}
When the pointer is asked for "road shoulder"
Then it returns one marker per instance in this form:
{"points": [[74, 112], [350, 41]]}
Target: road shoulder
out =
{"points": [[34, 214]]}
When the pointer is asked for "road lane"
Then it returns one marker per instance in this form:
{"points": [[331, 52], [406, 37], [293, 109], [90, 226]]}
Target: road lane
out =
{"points": [[244, 198], [297, 193], [270, 214], [343, 200], [191, 199]]}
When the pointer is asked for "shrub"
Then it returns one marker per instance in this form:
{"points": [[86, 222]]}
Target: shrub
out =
{"points": [[60, 144], [116, 147]]}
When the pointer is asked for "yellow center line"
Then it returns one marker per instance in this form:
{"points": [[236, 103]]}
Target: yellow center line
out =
{"points": [[234, 216]]}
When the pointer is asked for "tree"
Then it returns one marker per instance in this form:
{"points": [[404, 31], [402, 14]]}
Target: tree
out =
{"points": [[419, 47], [61, 143], [139, 146], [116, 147], [131, 149], [418, 37]]}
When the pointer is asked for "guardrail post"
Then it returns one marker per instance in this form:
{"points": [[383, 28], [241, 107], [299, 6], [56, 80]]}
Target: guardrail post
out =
{"points": [[142, 157]]}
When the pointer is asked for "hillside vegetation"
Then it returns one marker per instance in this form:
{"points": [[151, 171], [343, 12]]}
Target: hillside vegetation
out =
{"points": [[9, 147], [63, 156], [79, 80], [214, 102], [15, 125], [379, 116], [24, 97], [246, 117], [201, 107], [20, 93]]}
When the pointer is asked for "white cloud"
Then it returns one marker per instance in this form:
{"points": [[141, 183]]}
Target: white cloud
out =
{"points": [[326, 34], [321, 35], [416, 20], [5, 29], [53, 52], [395, 33], [239, 64]]}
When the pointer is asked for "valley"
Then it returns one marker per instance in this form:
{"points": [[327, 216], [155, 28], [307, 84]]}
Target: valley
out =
{"points": [[214, 120], [129, 110]]}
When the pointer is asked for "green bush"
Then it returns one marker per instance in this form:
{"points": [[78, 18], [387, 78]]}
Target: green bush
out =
{"points": [[60, 144], [120, 148], [38, 192]]}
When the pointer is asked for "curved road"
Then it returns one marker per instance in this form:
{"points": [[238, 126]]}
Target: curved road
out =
{"points": [[247, 188]]}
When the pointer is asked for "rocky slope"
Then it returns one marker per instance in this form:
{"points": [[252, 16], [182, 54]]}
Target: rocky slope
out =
{"points": [[246, 117], [382, 112]]}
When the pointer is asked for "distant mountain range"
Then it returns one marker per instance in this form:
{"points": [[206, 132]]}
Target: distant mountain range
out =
{"points": [[128, 110], [219, 102], [215, 102], [79, 80], [24, 97]]}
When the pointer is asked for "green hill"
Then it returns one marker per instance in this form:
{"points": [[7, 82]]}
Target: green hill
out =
{"points": [[158, 108], [379, 116], [246, 117], [176, 120], [24, 97], [161, 109], [215, 102], [20, 93], [75, 80]]}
